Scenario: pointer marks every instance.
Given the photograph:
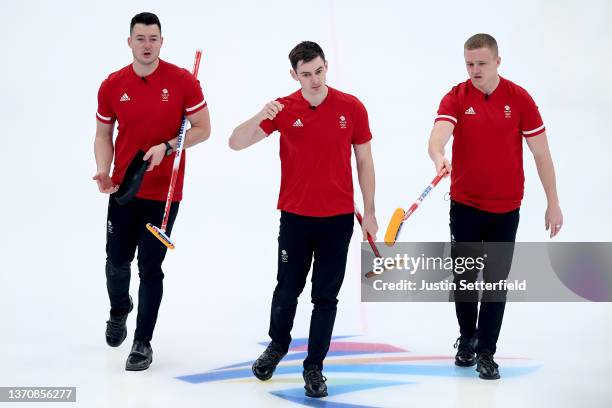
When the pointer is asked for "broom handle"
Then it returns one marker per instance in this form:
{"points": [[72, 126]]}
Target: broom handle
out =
{"points": [[179, 151]]}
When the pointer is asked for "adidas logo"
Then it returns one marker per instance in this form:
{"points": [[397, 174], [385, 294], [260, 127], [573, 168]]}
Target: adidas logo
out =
{"points": [[298, 123], [470, 111], [124, 98]]}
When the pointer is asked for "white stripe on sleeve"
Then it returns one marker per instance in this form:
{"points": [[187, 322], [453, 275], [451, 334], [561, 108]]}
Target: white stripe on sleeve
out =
{"points": [[103, 117], [195, 107], [530, 132], [446, 117]]}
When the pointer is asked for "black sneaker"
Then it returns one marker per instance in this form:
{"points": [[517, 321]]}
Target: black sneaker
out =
{"points": [[140, 357], [264, 366], [116, 331], [315, 383], [487, 367], [466, 355]]}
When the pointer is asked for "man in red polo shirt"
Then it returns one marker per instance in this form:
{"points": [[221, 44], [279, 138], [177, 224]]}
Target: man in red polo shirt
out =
{"points": [[488, 116], [318, 125], [148, 99]]}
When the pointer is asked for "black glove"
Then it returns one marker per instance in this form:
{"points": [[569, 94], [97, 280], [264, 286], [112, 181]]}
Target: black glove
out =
{"points": [[132, 179]]}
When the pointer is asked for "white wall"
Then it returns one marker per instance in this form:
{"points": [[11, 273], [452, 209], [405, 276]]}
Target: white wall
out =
{"points": [[399, 58]]}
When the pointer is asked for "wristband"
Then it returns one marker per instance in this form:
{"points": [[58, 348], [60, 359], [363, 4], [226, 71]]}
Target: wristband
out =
{"points": [[169, 149]]}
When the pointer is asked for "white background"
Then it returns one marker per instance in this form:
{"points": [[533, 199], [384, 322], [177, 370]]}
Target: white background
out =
{"points": [[399, 58]]}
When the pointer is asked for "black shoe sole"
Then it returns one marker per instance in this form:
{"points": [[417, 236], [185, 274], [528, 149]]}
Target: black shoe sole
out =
{"points": [[466, 364], [140, 366], [260, 377], [496, 377], [117, 344], [311, 395]]}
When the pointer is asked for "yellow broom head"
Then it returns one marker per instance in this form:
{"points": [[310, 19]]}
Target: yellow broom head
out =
{"points": [[394, 226], [161, 235]]}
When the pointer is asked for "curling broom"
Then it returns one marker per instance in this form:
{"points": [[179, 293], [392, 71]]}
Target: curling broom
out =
{"points": [[369, 274], [160, 233], [399, 216]]}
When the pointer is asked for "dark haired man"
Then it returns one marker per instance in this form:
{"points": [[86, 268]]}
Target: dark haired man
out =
{"points": [[318, 125], [148, 99], [488, 116]]}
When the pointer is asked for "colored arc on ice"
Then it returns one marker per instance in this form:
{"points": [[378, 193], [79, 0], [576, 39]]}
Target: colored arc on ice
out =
{"points": [[297, 394], [346, 357]]}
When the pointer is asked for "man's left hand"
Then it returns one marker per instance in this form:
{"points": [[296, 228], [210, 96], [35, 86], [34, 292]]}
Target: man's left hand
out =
{"points": [[155, 155]]}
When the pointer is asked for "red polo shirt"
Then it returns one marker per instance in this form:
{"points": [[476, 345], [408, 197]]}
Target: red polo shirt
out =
{"points": [[149, 111], [488, 143], [315, 152]]}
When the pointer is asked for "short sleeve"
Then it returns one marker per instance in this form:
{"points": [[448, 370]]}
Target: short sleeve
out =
{"points": [[268, 126], [448, 109], [361, 125], [531, 123], [194, 98], [105, 113]]}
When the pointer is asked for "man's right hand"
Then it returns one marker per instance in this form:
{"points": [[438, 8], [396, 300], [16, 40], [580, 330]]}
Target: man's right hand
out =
{"points": [[442, 162], [105, 183], [271, 110]]}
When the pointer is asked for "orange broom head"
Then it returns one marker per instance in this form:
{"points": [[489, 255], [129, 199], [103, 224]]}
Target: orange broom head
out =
{"points": [[394, 226], [161, 235]]}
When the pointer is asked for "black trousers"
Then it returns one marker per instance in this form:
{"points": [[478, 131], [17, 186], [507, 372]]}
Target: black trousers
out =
{"points": [[326, 239], [126, 231], [469, 224]]}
